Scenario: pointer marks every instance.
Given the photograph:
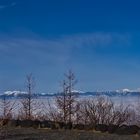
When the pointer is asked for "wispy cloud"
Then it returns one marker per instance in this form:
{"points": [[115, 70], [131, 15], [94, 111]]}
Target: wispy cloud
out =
{"points": [[59, 50], [96, 39], [7, 6], [64, 44]]}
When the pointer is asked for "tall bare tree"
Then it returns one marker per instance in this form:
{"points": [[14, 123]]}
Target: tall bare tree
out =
{"points": [[62, 103], [71, 81], [28, 99], [66, 100]]}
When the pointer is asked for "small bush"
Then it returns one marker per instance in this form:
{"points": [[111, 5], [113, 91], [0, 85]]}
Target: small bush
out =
{"points": [[79, 126], [127, 130], [45, 124], [112, 128], [68, 125], [25, 123], [89, 127], [13, 123], [101, 127]]}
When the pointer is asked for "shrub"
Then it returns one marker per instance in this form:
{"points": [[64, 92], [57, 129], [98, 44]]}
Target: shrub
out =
{"points": [[13, 123], [79, 126], [112, 128], [45, 124], [68, 125], [25, 123], [127, 130], [101, 127]]}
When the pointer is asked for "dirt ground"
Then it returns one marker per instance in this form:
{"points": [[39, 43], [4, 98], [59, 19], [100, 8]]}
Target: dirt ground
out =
{"points": [[44, 134]]}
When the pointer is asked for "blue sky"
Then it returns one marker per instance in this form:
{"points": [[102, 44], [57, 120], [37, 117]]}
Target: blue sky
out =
{"points": [[98, 39]]}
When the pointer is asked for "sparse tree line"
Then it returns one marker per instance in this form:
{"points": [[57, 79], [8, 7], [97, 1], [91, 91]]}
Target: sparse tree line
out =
{"points": [[69, 112]]}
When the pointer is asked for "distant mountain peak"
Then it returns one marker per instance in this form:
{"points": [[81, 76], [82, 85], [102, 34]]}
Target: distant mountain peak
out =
{"points": [[15, 92], [122, 92], [128, 90], [77, 91]]}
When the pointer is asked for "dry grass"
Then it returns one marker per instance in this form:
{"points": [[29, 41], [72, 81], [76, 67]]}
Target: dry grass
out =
{"points": [[44, 134]]}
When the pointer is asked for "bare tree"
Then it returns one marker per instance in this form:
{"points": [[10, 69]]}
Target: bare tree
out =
{"points": [[53, 113], [71, 81], [6, 107], [62, 103], [121, 115], [66, 100], [28, 102], [137, 111], [103, 111]]}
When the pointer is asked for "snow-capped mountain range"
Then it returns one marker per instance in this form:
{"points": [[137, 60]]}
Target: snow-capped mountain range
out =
{"points": [[122, 92]]}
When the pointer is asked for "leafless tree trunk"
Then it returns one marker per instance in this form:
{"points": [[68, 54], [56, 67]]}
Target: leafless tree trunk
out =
{"points": [[71, 81], [66, 100], [28, 102], [62, 102]]}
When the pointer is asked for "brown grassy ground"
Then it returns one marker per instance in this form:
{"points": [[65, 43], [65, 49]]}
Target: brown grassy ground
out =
{"points": [[44, 134]]}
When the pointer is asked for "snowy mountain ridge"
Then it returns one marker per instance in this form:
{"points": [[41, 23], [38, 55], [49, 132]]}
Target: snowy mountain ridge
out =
{"points": [[122, 92]]}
